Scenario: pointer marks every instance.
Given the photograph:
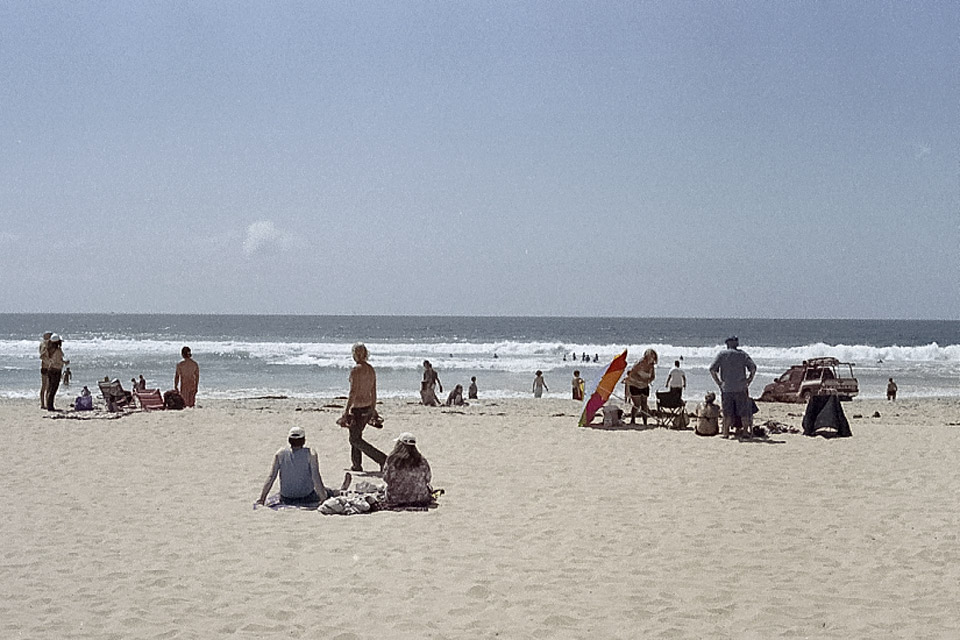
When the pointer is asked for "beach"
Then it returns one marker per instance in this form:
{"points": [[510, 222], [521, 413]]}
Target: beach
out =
{"points": [[143, 527]]}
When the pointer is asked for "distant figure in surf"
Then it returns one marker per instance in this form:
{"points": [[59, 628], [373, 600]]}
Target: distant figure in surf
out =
{"points": [[472, 390], [539, 384], [891, 390], [186, 380]]}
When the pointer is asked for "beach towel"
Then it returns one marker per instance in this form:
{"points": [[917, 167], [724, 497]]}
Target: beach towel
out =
{"points": [[824, 417]]}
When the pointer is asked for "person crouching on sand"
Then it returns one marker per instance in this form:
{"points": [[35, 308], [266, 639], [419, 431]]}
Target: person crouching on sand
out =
{"points": [[455, 399], [299, 471], [187, 378], [407, 474]]}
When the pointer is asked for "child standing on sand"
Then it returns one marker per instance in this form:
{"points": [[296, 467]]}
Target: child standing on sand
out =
{"points": [[539, 385], [577, 386], [472, 391]]}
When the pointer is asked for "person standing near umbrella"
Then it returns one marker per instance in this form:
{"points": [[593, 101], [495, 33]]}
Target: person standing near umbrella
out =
{"points": [[638, 382]]}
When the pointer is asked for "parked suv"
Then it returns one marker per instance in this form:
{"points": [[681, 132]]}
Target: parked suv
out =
{"points": [[816, 376]]}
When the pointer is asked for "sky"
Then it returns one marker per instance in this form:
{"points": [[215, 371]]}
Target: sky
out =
{"points": [[688, 159]]}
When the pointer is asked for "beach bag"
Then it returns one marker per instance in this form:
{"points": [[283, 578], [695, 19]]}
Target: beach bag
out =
{"points": [[173, 400], [83, 403]]}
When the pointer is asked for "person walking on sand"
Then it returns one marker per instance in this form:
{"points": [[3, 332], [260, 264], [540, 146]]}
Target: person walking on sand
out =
{"points": [[187, 378], [539, 384], [638, 382], [431, 379], [361, 409], [299, 471], [577, 385], [44, 339], [472, 390], [891, 390], [733, 371]]}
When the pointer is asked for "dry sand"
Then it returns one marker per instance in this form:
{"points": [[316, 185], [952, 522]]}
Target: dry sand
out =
{"points": [[143, 527]]}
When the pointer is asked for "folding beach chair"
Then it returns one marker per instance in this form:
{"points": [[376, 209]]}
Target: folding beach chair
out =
{"points": [[150, 399], [671, 409], [114, 395]]}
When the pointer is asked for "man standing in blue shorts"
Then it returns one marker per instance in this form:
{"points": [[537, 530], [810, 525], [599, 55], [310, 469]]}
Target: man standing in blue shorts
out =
{"points": [[733, 371]]}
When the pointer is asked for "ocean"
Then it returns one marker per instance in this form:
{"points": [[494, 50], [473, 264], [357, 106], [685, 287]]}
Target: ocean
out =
{"points": [[243, 356]]}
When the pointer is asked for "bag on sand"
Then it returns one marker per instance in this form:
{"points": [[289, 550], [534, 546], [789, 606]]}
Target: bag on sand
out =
{"points": [[173, 400], [83, 403]]}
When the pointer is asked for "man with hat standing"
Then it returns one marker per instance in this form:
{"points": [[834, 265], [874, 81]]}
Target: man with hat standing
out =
{"points": [[733, 371]]}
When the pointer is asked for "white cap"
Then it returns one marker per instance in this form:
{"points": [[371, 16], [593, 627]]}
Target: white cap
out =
{"points": [[55, 337], [297, 432], [406, 438]]}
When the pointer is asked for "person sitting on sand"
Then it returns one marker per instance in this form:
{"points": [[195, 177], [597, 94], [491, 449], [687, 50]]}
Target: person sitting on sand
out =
{"points": [[472, 389], [407, 474], [361, 409], [638, 382], [455, 399], [539, 384], [187, 378], [708, 416], [577, 385], [299, 470]]}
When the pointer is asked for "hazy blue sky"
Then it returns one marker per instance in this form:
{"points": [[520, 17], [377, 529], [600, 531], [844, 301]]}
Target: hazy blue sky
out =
{"points": [[760, 159]]}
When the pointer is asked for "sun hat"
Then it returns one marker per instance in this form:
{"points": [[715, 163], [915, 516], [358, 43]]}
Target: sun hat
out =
{"points": [[55, 337], [297, 432], [406, 438]]}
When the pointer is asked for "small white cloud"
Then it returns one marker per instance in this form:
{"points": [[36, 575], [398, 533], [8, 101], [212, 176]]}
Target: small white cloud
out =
{"points": [[263, 235]]}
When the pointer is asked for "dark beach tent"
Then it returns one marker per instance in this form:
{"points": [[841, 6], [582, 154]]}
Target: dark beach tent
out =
{"points": [[824, 417]]}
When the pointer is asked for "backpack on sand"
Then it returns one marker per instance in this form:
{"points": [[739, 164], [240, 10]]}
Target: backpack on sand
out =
{"points": [[173, 400]]}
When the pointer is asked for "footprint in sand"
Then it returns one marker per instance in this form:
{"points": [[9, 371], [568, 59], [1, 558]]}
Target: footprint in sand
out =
{"points": [[479, 591]]}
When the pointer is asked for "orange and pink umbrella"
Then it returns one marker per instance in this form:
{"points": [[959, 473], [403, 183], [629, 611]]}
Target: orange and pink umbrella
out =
{"points": [[603, 387]]}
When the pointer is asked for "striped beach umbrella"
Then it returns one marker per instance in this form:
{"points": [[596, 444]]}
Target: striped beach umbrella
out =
{"points": [[602, 388]]}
